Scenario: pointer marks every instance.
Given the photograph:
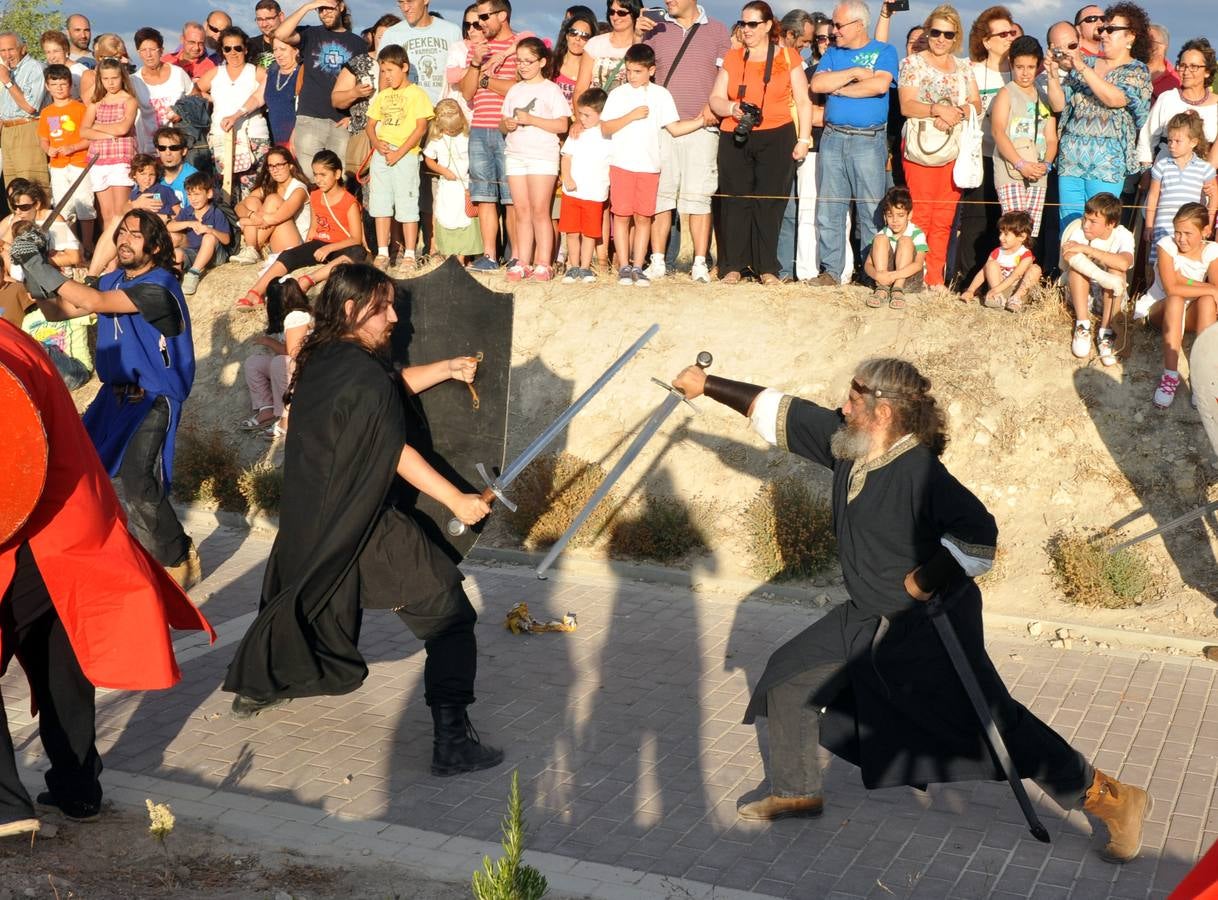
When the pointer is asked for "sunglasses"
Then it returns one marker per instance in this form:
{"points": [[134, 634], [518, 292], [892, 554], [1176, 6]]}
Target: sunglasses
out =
{"points": [[619, 12], [743, 23], [842, 26], [576, 33], [233, 48], [213, 29], [1071, 46], [23, 207], [823, 39], [484, 16], [466, 26], [1113, 29], [1087, 20], [167, 148], [937, 33], [1011, 33]]}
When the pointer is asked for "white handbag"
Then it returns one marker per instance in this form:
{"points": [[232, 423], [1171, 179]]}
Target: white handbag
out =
{"points": [[968, 171]]}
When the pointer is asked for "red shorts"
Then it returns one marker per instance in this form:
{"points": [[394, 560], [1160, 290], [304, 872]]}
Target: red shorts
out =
{"points": [[633, 193], [583, 217]]}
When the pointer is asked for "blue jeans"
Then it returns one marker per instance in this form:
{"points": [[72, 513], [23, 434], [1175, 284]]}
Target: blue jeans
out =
{"points": [[787, 238], [849, 167], [487, 167], [1074, 192]]}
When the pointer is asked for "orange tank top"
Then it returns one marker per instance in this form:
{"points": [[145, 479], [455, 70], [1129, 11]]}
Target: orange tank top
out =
{"points": [[774, 99]]}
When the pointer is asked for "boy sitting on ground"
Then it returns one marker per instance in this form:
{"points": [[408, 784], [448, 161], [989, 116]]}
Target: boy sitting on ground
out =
{"points": [[201, 234], [897, 257], [1097, 251], [1011, 269]]}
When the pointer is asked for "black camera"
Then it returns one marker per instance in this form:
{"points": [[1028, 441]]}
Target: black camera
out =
{"points": [[748, 119]]}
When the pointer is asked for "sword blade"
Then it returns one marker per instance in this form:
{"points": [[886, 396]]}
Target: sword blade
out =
{"points": [[662, 412], [955, 652], [1168, 526], [67, 198], [544, 439]]}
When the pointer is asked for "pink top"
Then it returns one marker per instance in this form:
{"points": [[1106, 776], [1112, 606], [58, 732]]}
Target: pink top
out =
{"points": [[112, 151]]}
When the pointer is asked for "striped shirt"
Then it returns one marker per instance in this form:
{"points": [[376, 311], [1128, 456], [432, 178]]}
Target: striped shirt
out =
{"points": [[693, 79], [1178, 186], [487, 106]]}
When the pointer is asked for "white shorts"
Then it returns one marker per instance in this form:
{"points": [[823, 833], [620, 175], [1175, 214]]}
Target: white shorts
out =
{"points": [[113, 175], [80, 207], [523, 165], [689, 172]]}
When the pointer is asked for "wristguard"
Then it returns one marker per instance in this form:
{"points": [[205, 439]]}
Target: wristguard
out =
{"points": [[737, 395], [937, 572], [42, 279]]}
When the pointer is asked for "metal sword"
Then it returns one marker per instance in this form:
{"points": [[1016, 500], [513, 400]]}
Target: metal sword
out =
{"points": [[67, 198], [955, 652], [1167, 526], [674, 399], [495, 487]]}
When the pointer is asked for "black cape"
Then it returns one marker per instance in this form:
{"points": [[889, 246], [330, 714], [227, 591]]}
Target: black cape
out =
{"points": [[340, 546], [896, 707]]}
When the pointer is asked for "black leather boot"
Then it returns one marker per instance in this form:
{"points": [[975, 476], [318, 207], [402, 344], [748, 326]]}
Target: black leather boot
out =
{"points": [[457, 749]]}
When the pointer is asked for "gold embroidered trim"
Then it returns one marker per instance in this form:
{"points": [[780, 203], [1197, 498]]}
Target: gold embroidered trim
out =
{"points": [[780, 426], [858, 475], [976, 551]]}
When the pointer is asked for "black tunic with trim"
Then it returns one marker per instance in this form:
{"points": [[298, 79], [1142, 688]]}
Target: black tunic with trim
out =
{"points": [[895, 706], [340, 547]]}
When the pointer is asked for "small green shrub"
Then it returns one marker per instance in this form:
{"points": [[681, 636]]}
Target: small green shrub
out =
{"points": [[1088, 575], [262, 486], [509, 878], [789, 528], [663, 528], [548, 496], [206, 469]]}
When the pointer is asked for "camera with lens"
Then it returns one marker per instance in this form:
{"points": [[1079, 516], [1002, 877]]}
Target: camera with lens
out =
{"points": [[748, 119]]}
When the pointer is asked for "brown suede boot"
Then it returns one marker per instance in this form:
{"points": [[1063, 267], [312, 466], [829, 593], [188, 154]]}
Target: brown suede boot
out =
{"points": [[1122, 808], [773, 807]]}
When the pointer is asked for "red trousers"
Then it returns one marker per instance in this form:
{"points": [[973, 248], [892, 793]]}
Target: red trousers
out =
{"points": [[934, 198]]}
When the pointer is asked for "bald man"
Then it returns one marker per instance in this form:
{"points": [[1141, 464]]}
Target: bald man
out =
{"points": [[80, 33], [216, 22]]}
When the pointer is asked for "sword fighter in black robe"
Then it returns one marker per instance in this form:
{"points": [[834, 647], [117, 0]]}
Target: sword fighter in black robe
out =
{"points": [[347, 538], [871, 681]]}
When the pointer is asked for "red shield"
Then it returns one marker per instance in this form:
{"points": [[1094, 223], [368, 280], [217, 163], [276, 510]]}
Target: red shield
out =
{"points": [[25, 472]]}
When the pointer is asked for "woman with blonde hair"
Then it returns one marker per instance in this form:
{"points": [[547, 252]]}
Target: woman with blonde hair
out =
{"points": [[936, 90], [447, 154]]}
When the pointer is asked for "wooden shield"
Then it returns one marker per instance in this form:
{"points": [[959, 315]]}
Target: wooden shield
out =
{"points": [[23, 476], [443, 314]]}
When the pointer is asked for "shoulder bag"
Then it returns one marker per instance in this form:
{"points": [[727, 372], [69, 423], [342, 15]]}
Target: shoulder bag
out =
{"points": [[969, 169], [1026, 148], [926, 145]]}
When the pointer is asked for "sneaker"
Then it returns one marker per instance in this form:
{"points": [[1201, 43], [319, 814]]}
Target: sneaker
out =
{"points": [[541, 273], [640, 278], [824, 279], [656, 268], [588, 276], [484, 264], [625, 275], [190, 282], [1166, 391], [573, 276], [1080, 344], [518, 272], [700, 273], [381, 262], [247, 256], [1107, 348]]}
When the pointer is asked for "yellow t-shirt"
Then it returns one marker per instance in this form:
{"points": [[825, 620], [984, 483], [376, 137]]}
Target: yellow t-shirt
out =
{"points": [[397, 112]]}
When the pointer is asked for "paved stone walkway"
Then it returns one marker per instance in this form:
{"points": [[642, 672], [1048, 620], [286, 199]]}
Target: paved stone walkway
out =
{"points": [[632, 758]]}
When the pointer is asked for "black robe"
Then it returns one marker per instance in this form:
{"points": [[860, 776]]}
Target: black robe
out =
{"points": [[339, 546], [895, 706]]}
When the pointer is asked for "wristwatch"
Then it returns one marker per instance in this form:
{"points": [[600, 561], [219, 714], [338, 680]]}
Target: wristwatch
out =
{"points": [[484, 81], [9, 86]]}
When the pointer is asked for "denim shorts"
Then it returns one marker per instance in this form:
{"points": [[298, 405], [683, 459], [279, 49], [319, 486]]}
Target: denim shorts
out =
{"points": [[487, 167]]}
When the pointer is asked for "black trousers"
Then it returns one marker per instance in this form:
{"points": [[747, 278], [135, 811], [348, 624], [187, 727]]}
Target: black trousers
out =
{"points": [[300, 256], [445, 625], [760, 167], [978, 227], [150, 517], [31, 630], [427, 184]]}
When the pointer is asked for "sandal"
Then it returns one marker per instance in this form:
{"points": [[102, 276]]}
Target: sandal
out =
{"points": [[306, 287], [253, 423], [731, 278], [879, 297], [896, 299], [274, 432], [770, 278], [408, 264], [381, 262], [1014, 304], [994, 301], [247, 303]]}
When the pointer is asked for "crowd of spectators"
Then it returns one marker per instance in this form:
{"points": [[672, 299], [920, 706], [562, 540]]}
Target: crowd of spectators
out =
{"points": [[808, 148]]}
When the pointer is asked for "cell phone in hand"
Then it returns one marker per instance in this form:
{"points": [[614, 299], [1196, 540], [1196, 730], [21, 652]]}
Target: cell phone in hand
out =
{"points": [[656, 13], [898, 5]]}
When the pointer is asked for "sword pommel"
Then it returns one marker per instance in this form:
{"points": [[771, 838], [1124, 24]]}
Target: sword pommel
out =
{"points": [[704, 360]]}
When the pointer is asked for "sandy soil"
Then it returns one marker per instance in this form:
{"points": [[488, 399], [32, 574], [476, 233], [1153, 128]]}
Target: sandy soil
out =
{"points": [[1047, 442]]}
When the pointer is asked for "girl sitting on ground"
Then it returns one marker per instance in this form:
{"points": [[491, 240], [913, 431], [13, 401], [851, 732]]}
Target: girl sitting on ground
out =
{"points": [[336, 234], [1011, 269], [267, 375], [1182, 297], [275, 213]]}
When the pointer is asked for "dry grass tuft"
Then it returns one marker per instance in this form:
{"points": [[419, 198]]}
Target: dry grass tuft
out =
{"points": [[262, 487], [664, 529], [548, 496], [789, 531], [206, 469], [1089, 575]]}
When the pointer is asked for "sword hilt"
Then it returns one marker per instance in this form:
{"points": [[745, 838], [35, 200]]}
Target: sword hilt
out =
{"points": [[703, 361], [490, 494]]}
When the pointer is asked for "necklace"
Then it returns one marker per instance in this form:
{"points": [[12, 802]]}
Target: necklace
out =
{"points": [[282, 82], [1205, 93]]}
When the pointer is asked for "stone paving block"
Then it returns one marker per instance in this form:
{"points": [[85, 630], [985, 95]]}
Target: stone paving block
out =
{"points": [[974, 884], [1060, 872]]}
